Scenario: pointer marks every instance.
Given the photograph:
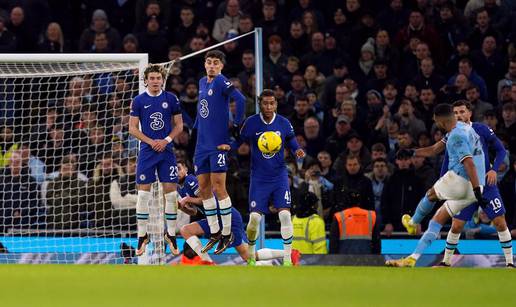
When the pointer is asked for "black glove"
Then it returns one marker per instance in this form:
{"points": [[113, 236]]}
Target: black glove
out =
{"points": [[480, 199]]}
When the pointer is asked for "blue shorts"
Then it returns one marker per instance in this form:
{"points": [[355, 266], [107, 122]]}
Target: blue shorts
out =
{"points": [[151, 162], [210, 162], [262, 192], [493, 209], [237, 228]]}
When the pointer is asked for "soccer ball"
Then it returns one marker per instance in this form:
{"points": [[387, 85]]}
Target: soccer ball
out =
{"points": [[269, 142]]}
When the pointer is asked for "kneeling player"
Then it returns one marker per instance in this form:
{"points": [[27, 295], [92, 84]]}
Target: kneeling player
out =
{"points": [[269, 177], [192, 204], [159, 113]]}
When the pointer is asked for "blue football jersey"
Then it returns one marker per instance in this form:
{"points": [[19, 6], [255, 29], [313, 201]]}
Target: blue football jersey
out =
{"points": [[155, 114], [212, 121], [487, 138], [267, 167], [190, 187], [463, 142]]}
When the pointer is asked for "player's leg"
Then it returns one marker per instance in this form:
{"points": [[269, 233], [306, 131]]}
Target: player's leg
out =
{"points": [[504, 236], [209, 203], [218, 182], [426, 204], [191, 233], [258, 200], [452, 239], [145, 176], [167, 173], [431, 234], [424, 207], [282, 200], [495, 210]]}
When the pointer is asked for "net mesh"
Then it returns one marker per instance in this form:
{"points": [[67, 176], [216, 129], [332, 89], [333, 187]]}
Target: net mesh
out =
{"points": [[67, 164]]}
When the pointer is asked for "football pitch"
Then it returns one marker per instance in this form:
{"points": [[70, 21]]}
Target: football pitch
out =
{"points": [[111, 285]]}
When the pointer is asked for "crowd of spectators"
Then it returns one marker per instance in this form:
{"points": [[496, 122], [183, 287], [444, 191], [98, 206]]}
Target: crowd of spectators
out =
{"points": [[358, 79]]}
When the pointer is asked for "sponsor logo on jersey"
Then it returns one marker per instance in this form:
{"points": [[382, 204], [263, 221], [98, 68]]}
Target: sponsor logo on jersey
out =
{"points": [[146, 107], [210, 92], [142, 177], [204, 111], [268, 156], [258, 133], [253, 204], [164, 105]]}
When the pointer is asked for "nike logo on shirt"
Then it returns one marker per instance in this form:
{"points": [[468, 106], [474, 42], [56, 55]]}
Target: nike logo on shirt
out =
{"points": [[145, 107]]}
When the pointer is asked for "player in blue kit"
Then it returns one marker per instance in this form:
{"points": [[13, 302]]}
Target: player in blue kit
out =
{"points": [[210, 162], [159, 114], [460, 186], [191, 203], [269, 177], [494, 208]]}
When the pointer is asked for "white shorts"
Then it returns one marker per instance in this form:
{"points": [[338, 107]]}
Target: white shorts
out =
{"points": [[456, 190]]}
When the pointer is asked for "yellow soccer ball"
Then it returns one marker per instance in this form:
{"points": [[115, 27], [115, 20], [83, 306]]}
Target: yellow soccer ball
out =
{"points": [[269, 142]]}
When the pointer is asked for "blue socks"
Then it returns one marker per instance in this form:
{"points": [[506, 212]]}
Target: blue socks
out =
{"points": [[430, 235], [424, 207]]}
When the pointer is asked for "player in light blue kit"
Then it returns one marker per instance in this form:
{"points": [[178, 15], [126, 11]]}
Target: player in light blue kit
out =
{"points": [[210, 161], [460, 186], [159, 114], [494, 208], [269, 177]]}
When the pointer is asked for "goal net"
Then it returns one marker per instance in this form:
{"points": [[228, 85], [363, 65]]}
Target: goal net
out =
{"points": [[67, 161]]}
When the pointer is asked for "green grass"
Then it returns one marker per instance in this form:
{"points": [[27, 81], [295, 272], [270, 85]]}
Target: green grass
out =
{"points": [[106, 285]]}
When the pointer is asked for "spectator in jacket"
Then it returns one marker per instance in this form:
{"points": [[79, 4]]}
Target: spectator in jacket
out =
{"points": [[66, 198], [228, 22], [19, 201], [353, 178], [401, 193], [99, 24]]}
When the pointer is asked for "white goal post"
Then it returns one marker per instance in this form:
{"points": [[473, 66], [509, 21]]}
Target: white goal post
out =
{"points": [[67, 160]]}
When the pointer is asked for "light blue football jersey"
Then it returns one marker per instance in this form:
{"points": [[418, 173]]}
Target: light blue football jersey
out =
{"points": [[464, 142]]}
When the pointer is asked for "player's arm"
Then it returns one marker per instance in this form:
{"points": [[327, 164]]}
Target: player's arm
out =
{"points": [[431, 151], [292, 143], [501, 153], [239, 98], [134, 130], [461, 146]]}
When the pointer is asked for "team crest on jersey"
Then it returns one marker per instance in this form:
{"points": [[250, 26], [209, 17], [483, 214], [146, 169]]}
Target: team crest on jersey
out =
{"points": [[253, 204], [164, 105], [142, 177], [210, 92]]}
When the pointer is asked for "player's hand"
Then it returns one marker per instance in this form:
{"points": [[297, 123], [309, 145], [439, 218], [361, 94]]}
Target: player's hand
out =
{"points": [[482, 202], [161, 145], [300, 153], [491, 177], [224, 147]]}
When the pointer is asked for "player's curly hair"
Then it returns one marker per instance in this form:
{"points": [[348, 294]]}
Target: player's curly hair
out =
{"points": [[154, 68]]}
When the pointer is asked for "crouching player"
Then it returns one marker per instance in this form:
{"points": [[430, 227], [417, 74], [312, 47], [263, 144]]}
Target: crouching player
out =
{"points": [[191, 204]]}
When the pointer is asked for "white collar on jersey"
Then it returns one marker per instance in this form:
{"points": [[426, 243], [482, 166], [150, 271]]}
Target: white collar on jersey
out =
{"points": [[263, 120], [148, 93]]}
